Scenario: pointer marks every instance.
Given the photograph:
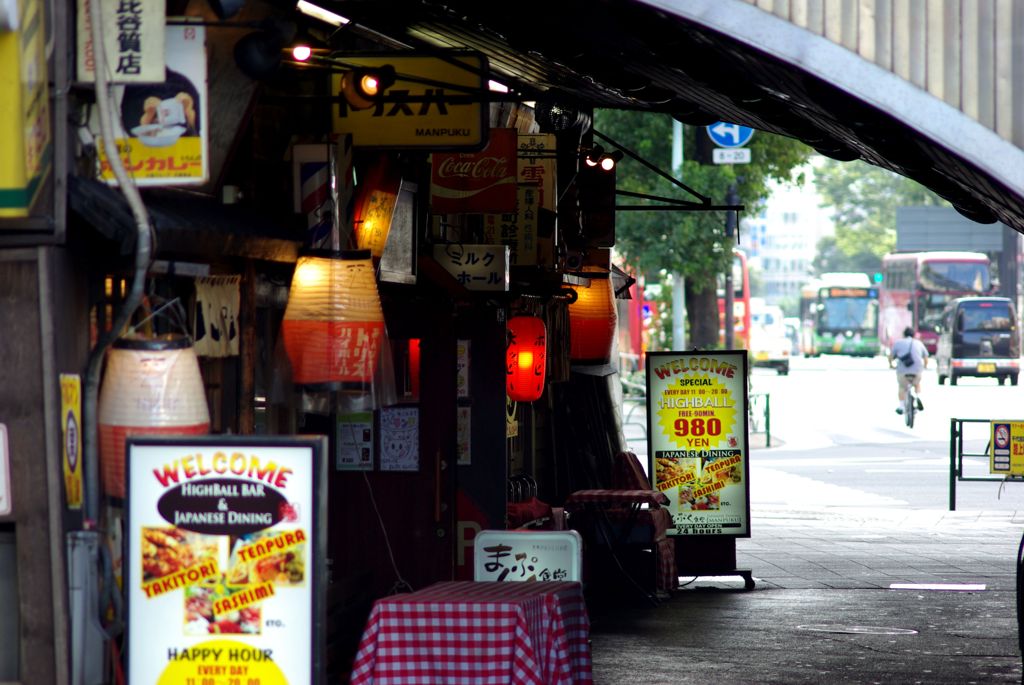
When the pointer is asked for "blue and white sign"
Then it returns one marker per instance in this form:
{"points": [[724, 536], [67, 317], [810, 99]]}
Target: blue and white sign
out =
{"points": [[729, 135]]}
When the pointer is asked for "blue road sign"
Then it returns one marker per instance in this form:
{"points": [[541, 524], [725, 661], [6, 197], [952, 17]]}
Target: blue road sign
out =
{"points": [[729, 135]]}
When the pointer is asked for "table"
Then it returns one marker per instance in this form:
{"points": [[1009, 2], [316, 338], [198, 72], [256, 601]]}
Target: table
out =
{"points": [[469, 633], [617, 514]]}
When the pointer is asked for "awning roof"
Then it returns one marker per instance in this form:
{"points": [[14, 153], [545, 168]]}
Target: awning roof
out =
{"points": [[662, 56]]}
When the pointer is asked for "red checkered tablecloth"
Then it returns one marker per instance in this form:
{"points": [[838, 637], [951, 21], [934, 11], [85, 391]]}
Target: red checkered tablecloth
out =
{"points": [[470, 633]]}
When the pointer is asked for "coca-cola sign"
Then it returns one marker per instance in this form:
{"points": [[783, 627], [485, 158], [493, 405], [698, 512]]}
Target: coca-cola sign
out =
{"points": [[482, 181]]}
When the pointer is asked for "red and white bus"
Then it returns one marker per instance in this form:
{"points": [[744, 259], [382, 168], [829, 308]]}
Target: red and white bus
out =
{"points": [[917, 285], [740, 303]]}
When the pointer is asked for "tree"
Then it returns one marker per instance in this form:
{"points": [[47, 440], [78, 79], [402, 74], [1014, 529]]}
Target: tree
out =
{"points": [[864, 199], [691, 243]]}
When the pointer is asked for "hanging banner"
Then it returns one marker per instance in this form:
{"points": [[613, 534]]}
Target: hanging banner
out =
{"points": [[536, 166], [225, 560], [482, 181], [71, 430], [133, 41], [161, 130], [698, 449]]}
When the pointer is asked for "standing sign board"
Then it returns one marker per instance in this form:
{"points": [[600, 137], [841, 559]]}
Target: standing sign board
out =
{"points": [[698, 449], [225, 560]]}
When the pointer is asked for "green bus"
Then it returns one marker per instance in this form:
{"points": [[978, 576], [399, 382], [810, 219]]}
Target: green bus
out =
{"points": [[843, 319]]}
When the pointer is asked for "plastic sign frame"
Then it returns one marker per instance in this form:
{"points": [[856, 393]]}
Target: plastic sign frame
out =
{"points": [[698, 446]]}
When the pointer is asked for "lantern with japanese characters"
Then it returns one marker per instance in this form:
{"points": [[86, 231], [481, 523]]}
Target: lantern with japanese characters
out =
{"points": [[592, 319], [151, 386], [333, 326], [525, 358]]}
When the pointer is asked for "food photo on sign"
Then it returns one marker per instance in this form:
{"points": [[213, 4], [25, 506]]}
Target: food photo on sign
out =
{"points": [[222, 572]]}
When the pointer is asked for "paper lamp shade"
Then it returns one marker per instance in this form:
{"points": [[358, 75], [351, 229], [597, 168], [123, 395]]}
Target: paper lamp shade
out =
{"points": [[333, 325], [150, 387], [525, 358], [592, 320]]}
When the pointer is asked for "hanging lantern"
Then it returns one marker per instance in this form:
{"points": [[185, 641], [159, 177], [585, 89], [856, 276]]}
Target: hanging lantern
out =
{"points": [[592, 320], [333, 325], [152, 386], [525, 358]]}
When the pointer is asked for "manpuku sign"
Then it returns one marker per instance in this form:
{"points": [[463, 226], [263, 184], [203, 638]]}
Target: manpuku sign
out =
{"points": [[439, 104], [224, 560], [698, 451]]}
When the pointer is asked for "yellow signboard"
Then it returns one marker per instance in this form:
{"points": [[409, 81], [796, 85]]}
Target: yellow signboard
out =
{"points": [[71, 430], [24, 111], [697, 428], [1006, 454], [434, 102]]}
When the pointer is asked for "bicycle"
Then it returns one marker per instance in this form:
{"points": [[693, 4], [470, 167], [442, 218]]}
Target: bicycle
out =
{"points": [[909, 401]]}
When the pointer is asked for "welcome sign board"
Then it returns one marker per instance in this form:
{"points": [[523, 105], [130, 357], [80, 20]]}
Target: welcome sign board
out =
{"points": [[224, 560], [697, 446]]}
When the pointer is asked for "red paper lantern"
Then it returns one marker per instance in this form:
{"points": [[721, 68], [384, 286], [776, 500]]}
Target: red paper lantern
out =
{"points": [[333, 326], [525, 358], [592, 320]]}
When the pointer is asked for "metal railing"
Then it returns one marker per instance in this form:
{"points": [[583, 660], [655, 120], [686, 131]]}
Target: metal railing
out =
{"points": [[957, 456]]}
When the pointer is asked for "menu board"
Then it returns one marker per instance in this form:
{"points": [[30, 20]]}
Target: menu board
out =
{"points": [[697, 446], [223, 564]]}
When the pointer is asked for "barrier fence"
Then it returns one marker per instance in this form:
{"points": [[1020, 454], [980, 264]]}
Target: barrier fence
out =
{"points": [[957, 455]]}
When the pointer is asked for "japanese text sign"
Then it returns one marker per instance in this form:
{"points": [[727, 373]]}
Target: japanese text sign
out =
{"points": [[520, 555], [536, 166], [133, 41], [475, 267], [439, 104], [517, 229], [224, 564], [698, 449], [1007, 453], [161, 133]]}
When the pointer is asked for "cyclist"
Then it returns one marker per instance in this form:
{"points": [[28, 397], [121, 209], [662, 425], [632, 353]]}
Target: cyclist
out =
{"points": [[911, 358]]}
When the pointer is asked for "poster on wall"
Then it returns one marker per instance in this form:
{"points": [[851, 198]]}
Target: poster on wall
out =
{"points": [[400, 439], [224, 561], [698, 449], [354, 444], [161, 128]]}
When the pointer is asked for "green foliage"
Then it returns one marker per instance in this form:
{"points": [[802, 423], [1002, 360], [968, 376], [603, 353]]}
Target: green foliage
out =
{"points": [[864, 198], [690, 243], [686, 242]]}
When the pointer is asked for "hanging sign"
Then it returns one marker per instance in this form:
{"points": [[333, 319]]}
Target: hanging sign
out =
{"points": [[436, 102], [537, 164], [516, 229], [475, 267], [161, 128], [133, 41], [225, 560], [71, 429], [698, 449], [482, 181]]}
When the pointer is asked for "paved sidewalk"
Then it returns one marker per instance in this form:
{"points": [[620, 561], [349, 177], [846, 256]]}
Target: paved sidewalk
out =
{"points": [[824, 608]]}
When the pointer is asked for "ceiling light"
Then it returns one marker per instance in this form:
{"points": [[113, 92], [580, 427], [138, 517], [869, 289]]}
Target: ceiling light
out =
{"points": [[301, 53], [324, 15]]}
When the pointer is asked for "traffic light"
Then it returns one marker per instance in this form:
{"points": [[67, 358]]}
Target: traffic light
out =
{"points": [[877, 277]]}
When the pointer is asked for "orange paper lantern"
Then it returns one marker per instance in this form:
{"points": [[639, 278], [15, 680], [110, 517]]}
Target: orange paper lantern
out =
{"points": [[592, 320], [525, 358], [151, 386], [333, 326]]}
